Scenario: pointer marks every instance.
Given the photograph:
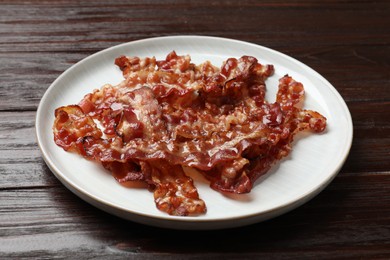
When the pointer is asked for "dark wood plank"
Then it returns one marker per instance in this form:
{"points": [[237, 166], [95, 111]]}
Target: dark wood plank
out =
{"points": [[26, 76], [33, 43], [200, 17], [21, 163], [44, 215]]}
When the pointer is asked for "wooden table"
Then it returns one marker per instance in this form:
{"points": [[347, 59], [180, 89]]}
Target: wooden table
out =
{"points": [[348, 42]]}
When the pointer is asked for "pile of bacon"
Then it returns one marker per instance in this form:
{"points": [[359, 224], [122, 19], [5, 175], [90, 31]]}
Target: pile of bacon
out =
{"points": [[172, 114]]}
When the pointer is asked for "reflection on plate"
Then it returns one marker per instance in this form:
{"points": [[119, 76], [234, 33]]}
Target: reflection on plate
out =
{"points": [[313, 163]]}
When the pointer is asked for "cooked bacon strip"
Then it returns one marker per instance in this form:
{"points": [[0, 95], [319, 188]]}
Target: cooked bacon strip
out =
{"points": [[128, 65], [125, 172], [71, 126], [171, 114], [101, 105], [174, 192]]}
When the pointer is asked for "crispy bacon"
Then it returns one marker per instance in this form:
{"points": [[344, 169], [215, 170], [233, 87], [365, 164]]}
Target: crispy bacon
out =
{"points": [[71, 126], [171, 114], [174, 192]]}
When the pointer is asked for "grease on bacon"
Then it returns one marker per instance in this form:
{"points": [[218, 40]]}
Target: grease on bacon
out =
{"points": [[171, 114]]}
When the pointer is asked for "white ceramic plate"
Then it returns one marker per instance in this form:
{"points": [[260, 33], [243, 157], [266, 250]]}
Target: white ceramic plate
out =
{"points": [[313, 163]]}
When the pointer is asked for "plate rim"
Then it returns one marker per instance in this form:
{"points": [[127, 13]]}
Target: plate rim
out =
{"points": [[192, 222]]}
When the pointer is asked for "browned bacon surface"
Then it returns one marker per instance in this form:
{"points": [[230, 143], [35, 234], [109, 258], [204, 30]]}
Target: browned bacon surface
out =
{"points": [[171, 114]]}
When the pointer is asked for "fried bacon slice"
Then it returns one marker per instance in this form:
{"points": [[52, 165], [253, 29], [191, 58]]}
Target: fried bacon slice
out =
{"points": [[170, 114], [71, 126], [174, 192]]}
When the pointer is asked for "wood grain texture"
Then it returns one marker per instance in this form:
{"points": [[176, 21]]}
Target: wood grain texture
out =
{"points": [[348, 42], [42, 39], [52, 214]]}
